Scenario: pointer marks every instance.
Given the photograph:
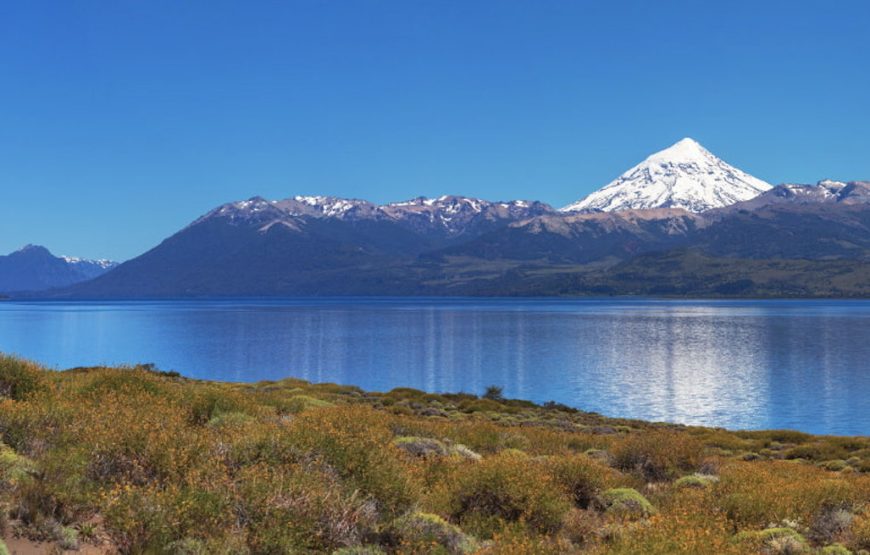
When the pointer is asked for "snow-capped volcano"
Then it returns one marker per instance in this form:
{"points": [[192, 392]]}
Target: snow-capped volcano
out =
{"points": [[685, 175]]}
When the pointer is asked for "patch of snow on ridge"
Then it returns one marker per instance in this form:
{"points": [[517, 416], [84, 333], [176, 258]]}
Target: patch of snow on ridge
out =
{"points": [[451, 213], [101, 262]]}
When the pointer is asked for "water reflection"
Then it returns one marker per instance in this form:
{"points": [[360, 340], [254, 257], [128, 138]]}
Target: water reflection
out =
{"points": [[759, 364]]}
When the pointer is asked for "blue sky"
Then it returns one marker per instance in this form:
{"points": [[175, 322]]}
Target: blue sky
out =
{"points": [[120, 122]]}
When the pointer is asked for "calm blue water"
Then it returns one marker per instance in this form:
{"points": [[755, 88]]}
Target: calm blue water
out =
{"points": [[739, 364]]}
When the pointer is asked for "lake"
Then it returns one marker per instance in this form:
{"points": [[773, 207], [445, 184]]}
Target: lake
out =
{"points": [[738, 364]]}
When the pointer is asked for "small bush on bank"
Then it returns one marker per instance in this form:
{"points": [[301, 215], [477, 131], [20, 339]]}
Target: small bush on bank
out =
{"points": [[835, 549], [493, 393], [657, 456], [696, 481], [68, 538], [507, 488], [14, 469], [835, 465], [830, 523], [212, 402], [139, 383], [776, 436], [19, 378], [230, 419], [859, 532], [299, 403], [581, 477], [777, 541], [421, 446], [420, 532], [305, 507], [482, 405], [360, 550], [753, 496], [357, 443], [625, 503], [583, 527]]}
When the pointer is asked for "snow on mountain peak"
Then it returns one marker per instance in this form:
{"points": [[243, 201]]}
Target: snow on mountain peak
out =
{"points": [[685, 175], [684, 150]]}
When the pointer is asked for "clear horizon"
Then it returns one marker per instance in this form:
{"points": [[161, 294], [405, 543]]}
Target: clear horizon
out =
{"points": [[124, 122]]}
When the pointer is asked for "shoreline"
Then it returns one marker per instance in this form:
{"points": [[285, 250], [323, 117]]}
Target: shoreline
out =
{"points": [[411, 392], [377, 392]]}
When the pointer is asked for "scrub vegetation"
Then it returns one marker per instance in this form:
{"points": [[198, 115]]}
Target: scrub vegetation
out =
{"points": [[134, 460]]}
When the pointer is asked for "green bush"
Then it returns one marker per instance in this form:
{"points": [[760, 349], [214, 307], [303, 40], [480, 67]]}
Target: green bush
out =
{"points": [[835, 465], [400, 393], [357, 443], [302, 508], [186, 546], [777, 540], [830, 522], [507, 488], [494, 393], [68, 538], [581, 477], [230, 419], [818, 452], [136, 520], [753, 495], [625, 503], [418, 532], [779, 436], [657, 456], [299, 403], [481, 405], [421, 446], [211, 402], [360, 550], [583, 527], [19, 378], [58, 489], [28, 427], [696, 481], [147, 518], [123, 381], [463, 452], [14, 469]]}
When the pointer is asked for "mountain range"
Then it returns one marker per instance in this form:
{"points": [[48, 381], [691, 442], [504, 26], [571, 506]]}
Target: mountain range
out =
{"points": [[34, 268], [682, 222]]}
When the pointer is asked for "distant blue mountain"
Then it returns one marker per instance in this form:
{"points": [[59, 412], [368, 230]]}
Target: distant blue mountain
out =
{"points": [[34, 268]]}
